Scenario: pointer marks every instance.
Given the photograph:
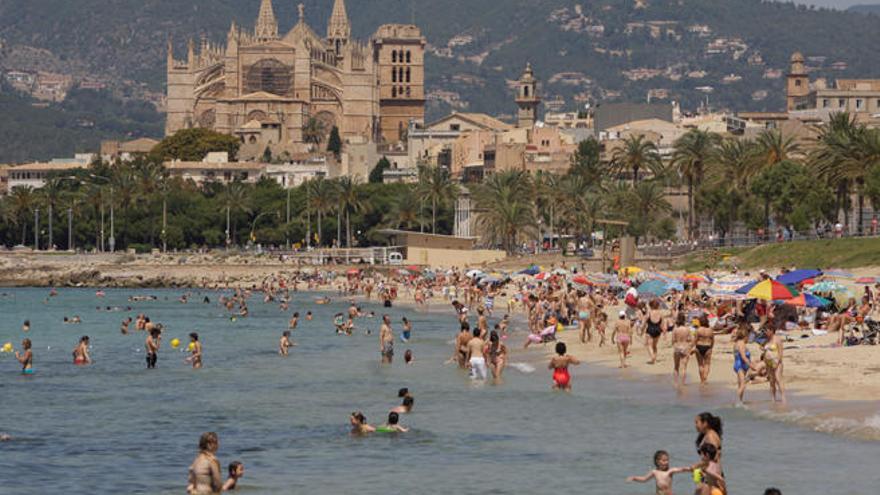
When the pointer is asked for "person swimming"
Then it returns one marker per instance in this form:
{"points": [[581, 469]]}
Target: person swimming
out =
{"points": [[559, 364], [81, 352], [392, 425], [359, 424], [407, 330], [406, 407], [236, 472]]}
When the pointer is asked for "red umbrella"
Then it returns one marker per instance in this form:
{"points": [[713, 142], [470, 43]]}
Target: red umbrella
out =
{"points": [[581, 280], [413, 268], [867, 280], [771, 290], [543, 276], [354, 271]]}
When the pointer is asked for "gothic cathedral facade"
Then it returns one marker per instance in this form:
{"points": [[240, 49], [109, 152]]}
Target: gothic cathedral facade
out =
{"points": [[287, 91]]}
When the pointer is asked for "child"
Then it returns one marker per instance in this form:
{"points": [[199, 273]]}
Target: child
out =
{"points": [[236, 472], [284, 344], [622, 335], [601, 325], [408, 356], [661, 473], [393, 425]]}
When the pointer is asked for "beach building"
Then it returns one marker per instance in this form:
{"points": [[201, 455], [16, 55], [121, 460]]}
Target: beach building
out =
{"points": [[126, 151], [216, 167], [35, 174]]}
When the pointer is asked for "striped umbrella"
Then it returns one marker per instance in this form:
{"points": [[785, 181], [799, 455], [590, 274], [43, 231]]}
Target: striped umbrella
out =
{"points": [[771, 290]]}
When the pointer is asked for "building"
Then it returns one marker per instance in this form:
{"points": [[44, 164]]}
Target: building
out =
{"points": [[816, 100], [527, 99], [609, 115], [265, 86], [126, 151], [304, 167], [433, 143], [35, 174], [216, 167], [4, 179]]}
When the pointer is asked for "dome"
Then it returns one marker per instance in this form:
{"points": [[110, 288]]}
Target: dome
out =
{"points": [[797, 57]]}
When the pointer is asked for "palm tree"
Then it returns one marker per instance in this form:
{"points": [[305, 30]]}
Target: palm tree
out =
{"points": [[351, 201], [234, 197], [581, 204], [314, 131], [505, 207], [23, 200], [49, 195], [406, 212], [436, 185], [321, 199], [692, 151], [649, 203], [636, 154], [586, 162], [731, 168], [546, 199], [774, 147]]}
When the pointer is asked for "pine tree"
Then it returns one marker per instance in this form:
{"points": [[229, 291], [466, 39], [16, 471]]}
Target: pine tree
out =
{"points": [[334, 143], [382, 165]]}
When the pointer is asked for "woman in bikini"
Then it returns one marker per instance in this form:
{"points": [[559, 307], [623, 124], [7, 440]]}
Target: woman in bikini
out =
{"points": [[497, 354], [81, 352], [196, 348], [683, 346], [709, 430], [772, 358], [622, 335], [27, 358], [705, 341], [742, 360], [654, 329], [559, 364]]}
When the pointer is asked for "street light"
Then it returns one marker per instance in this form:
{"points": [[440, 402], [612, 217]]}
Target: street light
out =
{"points": [[70, 229], [36, 229], [258, 217], [112, 226]]}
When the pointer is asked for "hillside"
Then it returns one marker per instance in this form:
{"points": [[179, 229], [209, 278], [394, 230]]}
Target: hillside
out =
{"points": [[830, 253], [731, 53]]}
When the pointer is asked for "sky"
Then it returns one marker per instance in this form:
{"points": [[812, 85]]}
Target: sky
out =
{"points": [[837, 3]]}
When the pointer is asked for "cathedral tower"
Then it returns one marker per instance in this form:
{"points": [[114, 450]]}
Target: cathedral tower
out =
{"points": [[527, 99], [338, 29], [267, 25], [797, 87]]}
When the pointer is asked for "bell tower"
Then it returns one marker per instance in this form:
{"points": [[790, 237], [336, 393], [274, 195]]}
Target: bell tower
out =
{"points": [[797, 87], [527, 99], [339, 28]]}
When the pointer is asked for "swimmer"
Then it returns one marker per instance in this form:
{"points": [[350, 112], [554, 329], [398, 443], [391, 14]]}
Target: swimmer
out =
{"points": [[5, 438], [26, 326], [661, 474], [152, 347], [123, 328], [393, 425], [294, 321], [406, 407], [407, 330], [196, 357], [559, 364], [386, 340], [497, 353], [359, 424], [308, 316], [236, 472], [81, 352], [408, 356], [205, 477], [476, 361], [27, 358], [285, 343], [459, 353]]}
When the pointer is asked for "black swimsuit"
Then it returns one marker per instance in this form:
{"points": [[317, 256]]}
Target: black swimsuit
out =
{"points": [[654, 329]]}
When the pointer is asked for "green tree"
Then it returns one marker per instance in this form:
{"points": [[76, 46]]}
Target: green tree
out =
{"points": [[352, 200], [504, 202], [376, 175], [692, 152], [313, 131], [586, 161], [436, 186], [334, 142], [321, 200], [23, 200], [406, 212], [635, 155], [192, 145]]}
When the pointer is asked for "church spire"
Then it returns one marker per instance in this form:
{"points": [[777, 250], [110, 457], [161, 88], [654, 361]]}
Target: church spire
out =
{"points": [[267, 26], [339, 29]]}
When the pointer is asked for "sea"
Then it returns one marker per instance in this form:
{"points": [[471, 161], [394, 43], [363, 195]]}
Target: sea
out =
{"points": [[116, 427]]}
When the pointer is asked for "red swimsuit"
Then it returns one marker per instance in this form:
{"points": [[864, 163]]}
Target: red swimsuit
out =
{"points": [[561, 377]]}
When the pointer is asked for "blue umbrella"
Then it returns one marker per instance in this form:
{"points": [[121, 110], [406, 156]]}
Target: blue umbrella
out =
{"points": [[532, 270], [653, 287], [797, 276], [675, 285]]}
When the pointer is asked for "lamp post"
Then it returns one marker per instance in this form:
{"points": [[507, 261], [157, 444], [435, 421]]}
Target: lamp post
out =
{"points": [[36, 229], [112, 223], [257, 218], [70, 229], [287, 226], [228, 240]]}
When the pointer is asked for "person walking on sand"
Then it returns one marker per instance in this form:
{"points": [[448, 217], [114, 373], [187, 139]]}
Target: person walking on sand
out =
{"points": [[653, 328], [705, 341], [559, 364], [622, 335], [683, 346]]}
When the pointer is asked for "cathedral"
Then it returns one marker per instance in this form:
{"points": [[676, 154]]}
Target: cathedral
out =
{"points": [[285, 90]]}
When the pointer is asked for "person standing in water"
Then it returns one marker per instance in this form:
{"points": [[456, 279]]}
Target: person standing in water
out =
{"points": [[773, 361], [81, 352], [26, 359], [294, 321], [497, 353], [407, 330], [196, 349], [236, 472], [475, 359], [152, 347], [742, 360], [205, 477], [359, 426], [386, 340], [559, 364], [284, 344], [661, 474]]}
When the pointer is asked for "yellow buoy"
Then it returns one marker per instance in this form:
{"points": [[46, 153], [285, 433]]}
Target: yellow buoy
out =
{"points": [[175, 343], [7, 347]]}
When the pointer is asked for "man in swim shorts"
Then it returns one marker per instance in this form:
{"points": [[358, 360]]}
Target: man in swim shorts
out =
{"points": [[475, 359], [386, 340]]}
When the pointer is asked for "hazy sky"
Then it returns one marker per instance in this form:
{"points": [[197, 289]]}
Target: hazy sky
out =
{"points": [[837, 3]]}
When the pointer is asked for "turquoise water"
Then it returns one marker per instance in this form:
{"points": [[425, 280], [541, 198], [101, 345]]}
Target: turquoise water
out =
{"points": [[115, 427]]}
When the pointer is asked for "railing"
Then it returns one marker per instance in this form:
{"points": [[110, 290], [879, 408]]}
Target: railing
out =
{"points": [[682, 248]]}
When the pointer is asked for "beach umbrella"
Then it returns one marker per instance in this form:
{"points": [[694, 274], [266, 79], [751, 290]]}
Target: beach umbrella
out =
{"points": [[694, 277], [797, 276], [581, 280], [747, 287], [543, 276], [473, 273], [674, 285], [805, 299], [353, 271], [630, 270], [771, 290], [867, 280], [653, 287], [827, 286], [532, 270]]}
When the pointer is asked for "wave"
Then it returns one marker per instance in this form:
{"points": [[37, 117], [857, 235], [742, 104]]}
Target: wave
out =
{"points": [[865, 428]]}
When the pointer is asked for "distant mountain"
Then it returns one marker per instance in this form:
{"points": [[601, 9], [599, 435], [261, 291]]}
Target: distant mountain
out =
{"points": [[732, 53]]}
